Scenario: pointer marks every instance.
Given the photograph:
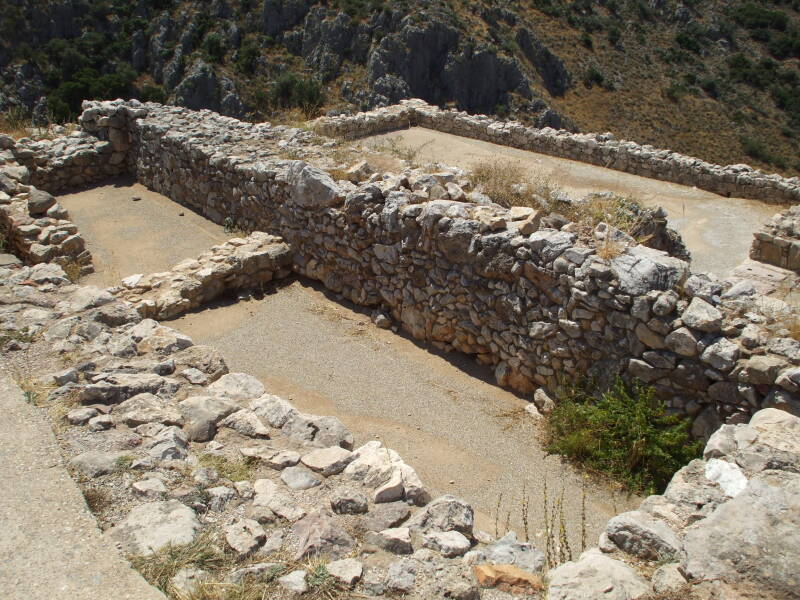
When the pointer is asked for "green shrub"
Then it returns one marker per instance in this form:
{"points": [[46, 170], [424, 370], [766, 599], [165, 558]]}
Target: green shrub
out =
{"points": [[65, 101], [153, 93], [593, 76], [710, 86], [614, 35], [675, 91], [247, 56], [753, 16], [786, 45], [756, 149], [291, 91], [213, 48], [624, 432]]}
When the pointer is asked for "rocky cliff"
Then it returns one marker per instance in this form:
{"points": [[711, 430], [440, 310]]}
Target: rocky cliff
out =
{"points": [[711, 79]]}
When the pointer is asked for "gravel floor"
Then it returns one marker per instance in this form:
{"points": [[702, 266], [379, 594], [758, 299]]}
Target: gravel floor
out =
{"points": [[463, 434]]}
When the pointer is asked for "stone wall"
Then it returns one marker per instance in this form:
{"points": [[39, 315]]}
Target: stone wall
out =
{"points": [[34, 226], [467, 277], [536, 305], [596, 148], [778, 241], [238, 264], [144, 407], [68, 162]]}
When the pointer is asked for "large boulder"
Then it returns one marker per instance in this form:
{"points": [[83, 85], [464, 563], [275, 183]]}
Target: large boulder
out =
{"points": [[203, 413], [320, 534], [149, 527], [595, 575], [755, 537], [313, 188], [641, 269], [446, 513], [638, 533]]}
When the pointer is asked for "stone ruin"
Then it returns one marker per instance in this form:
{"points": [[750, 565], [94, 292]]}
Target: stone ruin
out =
{"points": [[534, 302]]}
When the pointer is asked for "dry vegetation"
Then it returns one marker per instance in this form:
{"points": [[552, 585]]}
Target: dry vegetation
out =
{"points": [[508, 184], [207, 554], [235, 470], [14, 123], [18, 124]]}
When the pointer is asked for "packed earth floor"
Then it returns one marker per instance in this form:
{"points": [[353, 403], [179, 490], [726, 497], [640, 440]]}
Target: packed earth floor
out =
{"points": [[465, 435]]}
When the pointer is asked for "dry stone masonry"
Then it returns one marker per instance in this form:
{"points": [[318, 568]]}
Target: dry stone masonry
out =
{"points": [[185, 451], [181, 448], [238, 264], [35, 227], [596, 148], [778, 242], [535, 302]]}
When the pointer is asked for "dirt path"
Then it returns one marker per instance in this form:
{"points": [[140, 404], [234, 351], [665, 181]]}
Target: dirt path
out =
{"points": [[717, 230], [464, 435], [127, 236]]}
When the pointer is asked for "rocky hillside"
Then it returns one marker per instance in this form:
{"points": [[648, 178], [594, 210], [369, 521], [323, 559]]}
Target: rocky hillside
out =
{"points": [[714, 79]]}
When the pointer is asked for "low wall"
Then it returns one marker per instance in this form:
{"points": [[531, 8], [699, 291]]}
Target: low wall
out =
{"points": [[537, 307], [73, 161], [238, 264], [36, 228], [595, 148], [778, 241]]}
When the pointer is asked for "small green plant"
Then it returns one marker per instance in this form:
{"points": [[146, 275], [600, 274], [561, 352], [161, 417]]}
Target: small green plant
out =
{"points": [[8, 335], [320, 580], [624, 432], [124, 462]]}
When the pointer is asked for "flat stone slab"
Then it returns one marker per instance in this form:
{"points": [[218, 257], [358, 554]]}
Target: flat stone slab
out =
{"points": [[51, 545]]}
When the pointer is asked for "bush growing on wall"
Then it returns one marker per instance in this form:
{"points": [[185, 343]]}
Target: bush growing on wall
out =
{"points": [[624, 432]]}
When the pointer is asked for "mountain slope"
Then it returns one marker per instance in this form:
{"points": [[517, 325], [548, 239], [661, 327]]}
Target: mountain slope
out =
{"points": [[710, 78]]}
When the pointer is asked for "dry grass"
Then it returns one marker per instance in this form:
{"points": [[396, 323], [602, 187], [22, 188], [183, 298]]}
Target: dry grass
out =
{"points": [[8, 335], [18, 124], [161, 566], [97, 499], [206, 554], [15, 123], [72, 269], [235, 470], [35, 391], [557, 548], [392, 146], [609, 249], [508, 184], [685, 592]]}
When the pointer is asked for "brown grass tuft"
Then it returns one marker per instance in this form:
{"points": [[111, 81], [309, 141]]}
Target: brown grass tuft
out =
{"points": [[508, 184]]}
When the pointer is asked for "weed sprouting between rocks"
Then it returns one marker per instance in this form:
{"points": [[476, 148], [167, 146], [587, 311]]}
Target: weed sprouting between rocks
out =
{"points": [[625, 432]]}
